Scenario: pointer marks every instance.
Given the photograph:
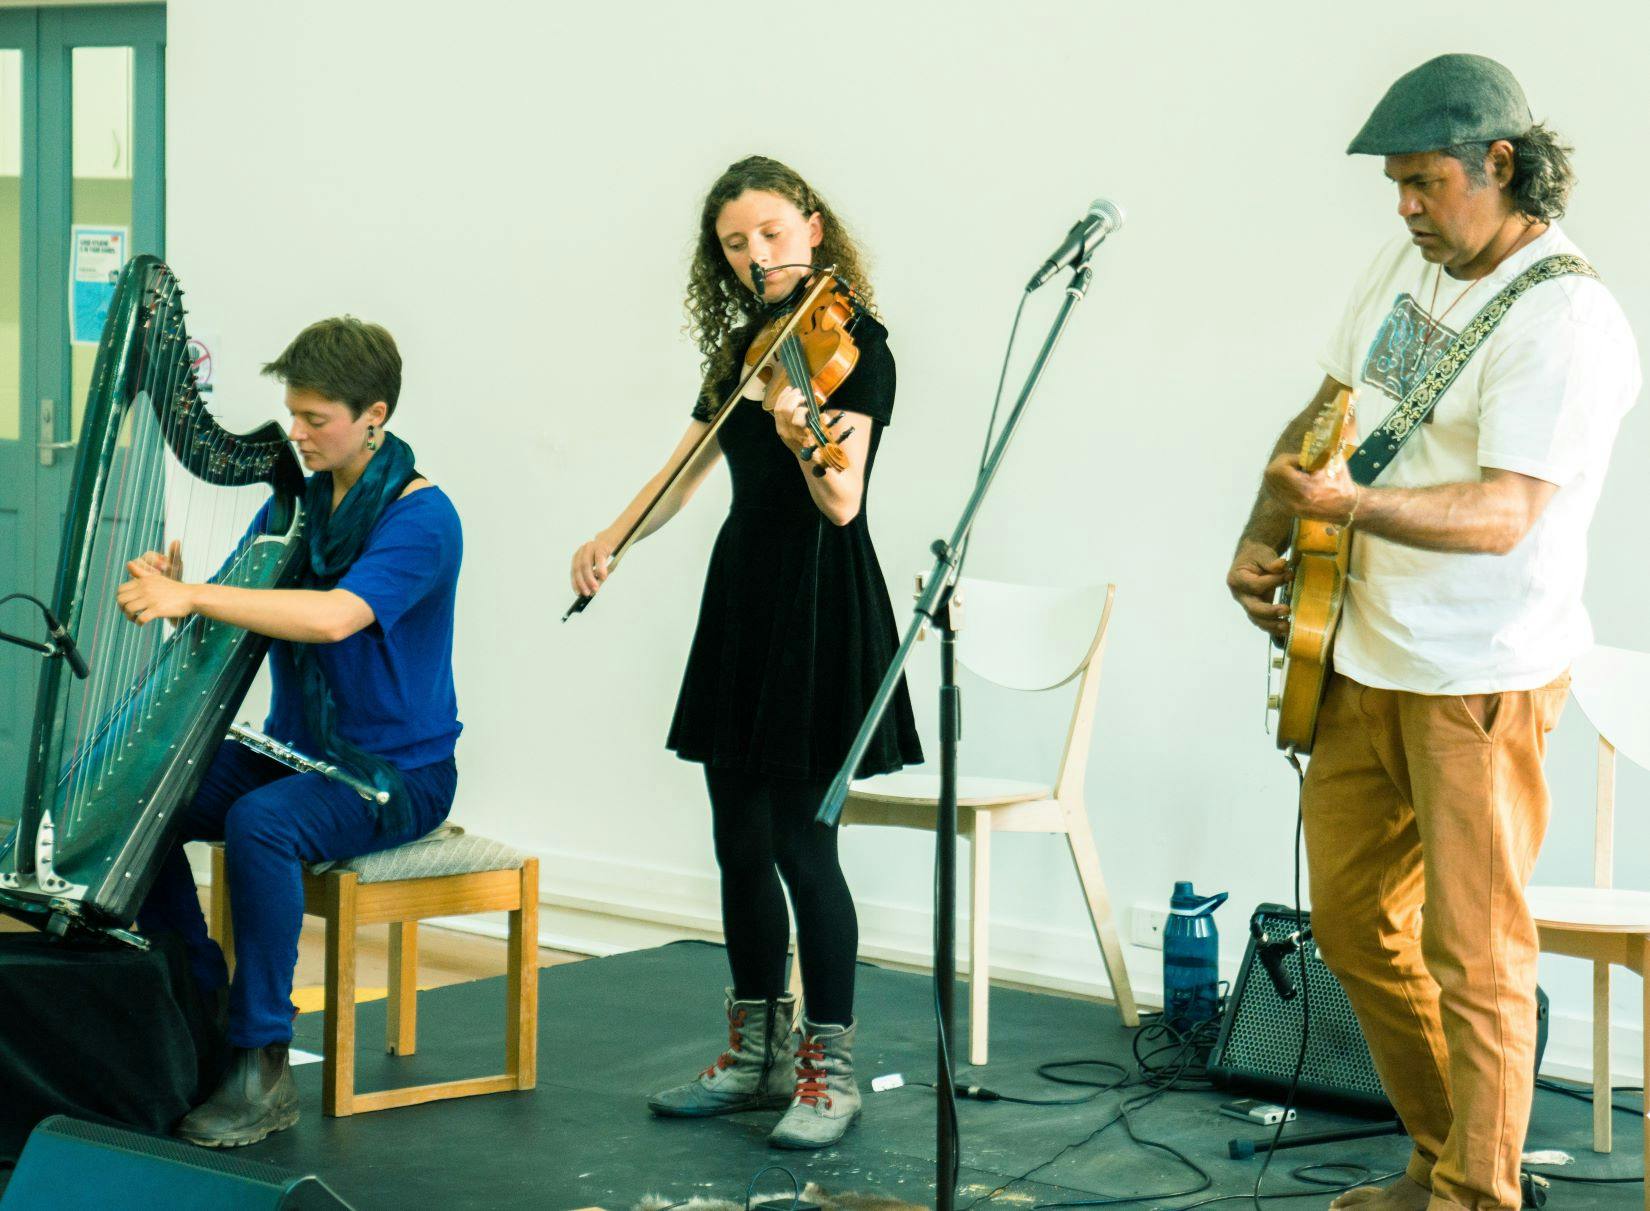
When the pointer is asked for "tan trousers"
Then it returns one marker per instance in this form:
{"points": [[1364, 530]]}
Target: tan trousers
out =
{"points": [[1412, 800]]}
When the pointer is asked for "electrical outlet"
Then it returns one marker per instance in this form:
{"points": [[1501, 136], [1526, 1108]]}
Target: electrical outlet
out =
{"points": [[1146, 925]]}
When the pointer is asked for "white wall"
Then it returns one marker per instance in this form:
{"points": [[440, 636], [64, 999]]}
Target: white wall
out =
{"points": [[513, 188]]}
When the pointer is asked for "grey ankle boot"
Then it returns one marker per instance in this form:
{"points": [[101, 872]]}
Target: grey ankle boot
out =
{"points": [[826, 1098], [754, 1073]]}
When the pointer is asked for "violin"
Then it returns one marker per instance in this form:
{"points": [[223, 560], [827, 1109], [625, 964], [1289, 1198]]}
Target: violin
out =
{"points": [[809, 344], [815, 354]]}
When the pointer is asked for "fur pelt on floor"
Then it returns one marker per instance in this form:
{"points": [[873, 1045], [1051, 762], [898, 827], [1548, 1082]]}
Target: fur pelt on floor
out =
{"points": [[782, 1198]]}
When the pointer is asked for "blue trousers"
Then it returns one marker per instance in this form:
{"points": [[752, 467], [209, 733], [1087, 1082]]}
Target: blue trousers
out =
{"points": [[271, 822]]}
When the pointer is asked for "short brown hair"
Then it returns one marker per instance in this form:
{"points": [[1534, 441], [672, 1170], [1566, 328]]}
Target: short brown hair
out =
{"points": [[343, 359]]}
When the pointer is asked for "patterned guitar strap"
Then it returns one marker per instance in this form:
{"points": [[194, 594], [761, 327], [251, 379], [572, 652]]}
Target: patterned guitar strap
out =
{"points": [[1403, 422]]}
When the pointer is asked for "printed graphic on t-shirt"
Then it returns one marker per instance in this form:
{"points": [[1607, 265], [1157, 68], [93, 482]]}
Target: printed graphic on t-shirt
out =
{"points": [[1404, 349]]}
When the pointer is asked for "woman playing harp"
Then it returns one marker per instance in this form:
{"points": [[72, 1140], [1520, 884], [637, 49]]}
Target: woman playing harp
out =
{"points": [[361, 673], [795, 633]]}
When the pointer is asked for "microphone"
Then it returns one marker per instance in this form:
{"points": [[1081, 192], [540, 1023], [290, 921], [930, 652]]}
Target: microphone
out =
{"points": [[759, 280], [65, 644], [1103, 218], [1271, 956]]}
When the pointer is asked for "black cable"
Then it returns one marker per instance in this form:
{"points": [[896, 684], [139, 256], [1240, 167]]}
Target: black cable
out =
{"points": [[949, 1107], [1306, 984], [796, 1186], [1124, 1107], [996, 406], [1122, 1111], [1585, 1093], [1316, 1189], [1184, 1049], [51, 646], [1167, 1077], [1189, 1052], [1002, 379], [1587, 1181]]}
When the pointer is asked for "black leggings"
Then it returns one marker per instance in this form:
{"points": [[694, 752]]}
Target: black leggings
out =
{"points": [[765, 831]]}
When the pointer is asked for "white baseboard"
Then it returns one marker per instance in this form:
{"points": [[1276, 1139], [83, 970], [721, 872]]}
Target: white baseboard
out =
{"points": [[598, 906]]}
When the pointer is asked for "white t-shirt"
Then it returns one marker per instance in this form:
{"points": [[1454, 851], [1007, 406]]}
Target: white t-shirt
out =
{"points": [[1543, 396]]}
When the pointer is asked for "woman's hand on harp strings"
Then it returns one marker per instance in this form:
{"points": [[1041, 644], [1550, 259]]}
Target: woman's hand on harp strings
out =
{"points": [[169, 564], [154, 591], [590, 566]]}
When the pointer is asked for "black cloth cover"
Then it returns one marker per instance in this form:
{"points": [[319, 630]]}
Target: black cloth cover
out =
{"points": [[100, 1031], [795, 631]]}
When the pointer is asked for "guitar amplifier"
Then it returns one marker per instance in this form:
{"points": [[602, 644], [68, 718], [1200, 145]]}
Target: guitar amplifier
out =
{"points": [[1260, 1034], [70, 1163]]}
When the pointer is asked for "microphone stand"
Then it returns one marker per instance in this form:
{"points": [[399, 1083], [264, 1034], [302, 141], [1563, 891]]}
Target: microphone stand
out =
{"points": [[936, 607], [56, 648]]}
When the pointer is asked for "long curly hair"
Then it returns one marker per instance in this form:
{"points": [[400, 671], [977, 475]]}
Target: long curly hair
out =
{"points": [[718, 304]]}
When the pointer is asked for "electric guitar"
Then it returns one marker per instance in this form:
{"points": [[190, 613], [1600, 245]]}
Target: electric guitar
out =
{"points": [[1320, 554]]}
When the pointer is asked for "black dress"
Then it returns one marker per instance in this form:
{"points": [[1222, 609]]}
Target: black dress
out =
{"points": [[795, 628]]}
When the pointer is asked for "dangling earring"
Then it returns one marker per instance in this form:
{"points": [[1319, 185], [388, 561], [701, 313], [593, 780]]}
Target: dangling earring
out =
{"points": [[371, 444]]}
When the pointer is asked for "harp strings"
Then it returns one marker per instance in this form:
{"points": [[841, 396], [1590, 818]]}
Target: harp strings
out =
{"points": [[155, 497]]}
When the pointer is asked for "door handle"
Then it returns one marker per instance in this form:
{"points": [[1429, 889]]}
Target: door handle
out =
{"points": [[48, 425]]}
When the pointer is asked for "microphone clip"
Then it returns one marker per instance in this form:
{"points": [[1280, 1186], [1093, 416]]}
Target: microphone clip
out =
{"points": [[59, 642], [1273, 951]]}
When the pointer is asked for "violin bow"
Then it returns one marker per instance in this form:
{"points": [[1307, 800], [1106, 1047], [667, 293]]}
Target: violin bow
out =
{"points": [[822, 278]]}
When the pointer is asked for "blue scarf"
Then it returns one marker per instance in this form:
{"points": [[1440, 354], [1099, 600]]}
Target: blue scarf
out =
{"points": [[336, 538]]}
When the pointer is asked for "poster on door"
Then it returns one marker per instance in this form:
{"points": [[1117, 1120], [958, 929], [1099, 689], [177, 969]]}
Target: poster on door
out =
{"points": [[95, 258], [202, 354]]}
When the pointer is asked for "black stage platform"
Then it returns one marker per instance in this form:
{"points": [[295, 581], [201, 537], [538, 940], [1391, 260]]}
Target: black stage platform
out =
{"points": [[611, 1030]]}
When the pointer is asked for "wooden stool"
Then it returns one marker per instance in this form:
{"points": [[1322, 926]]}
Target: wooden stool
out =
{"points": [[448, 873]]}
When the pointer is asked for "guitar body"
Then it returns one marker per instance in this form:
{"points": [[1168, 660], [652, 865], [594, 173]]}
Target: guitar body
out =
{"points": [[1320, 556]]}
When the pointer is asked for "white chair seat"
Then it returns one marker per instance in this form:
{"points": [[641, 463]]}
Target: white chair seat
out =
{"points": [[913, 786], [1026, 638], [1603, 909]]}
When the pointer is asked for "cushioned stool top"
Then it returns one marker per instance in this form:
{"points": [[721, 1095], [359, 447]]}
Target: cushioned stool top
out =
{"points": [[449, 850]]}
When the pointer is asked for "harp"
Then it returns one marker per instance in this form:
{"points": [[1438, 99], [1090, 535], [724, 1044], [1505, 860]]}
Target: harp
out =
{"points": [[113, 758]]}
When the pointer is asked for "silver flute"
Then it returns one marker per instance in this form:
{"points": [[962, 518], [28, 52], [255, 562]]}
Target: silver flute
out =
{"points": [[293, 759]]}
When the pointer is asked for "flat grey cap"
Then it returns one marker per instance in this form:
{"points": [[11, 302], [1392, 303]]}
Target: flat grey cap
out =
{"points": [[1448, 100]]}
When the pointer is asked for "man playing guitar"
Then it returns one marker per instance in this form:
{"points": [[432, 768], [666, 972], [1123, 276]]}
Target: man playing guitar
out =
{"points": [[1462, 612]]}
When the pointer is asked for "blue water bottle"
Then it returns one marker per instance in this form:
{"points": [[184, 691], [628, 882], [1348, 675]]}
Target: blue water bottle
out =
{"points": [[1191, 959]]}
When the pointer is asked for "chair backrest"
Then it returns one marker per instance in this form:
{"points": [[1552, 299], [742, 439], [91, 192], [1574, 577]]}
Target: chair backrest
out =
{"points": [[1032, 638], [1612, 687]]}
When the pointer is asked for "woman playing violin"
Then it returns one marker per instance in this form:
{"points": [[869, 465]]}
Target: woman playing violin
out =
{"points": [[795, 634]]}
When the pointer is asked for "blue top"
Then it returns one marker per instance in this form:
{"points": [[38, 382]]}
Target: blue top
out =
{"points": [[392, 680]]}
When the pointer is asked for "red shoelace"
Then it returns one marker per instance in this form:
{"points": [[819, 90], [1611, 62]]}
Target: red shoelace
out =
{"points": [[736, 1044], [810, 1079]]}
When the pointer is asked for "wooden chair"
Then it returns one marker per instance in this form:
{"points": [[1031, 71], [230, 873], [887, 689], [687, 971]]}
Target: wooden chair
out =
{"points": [[448, 873], [1026, 638], [1603, 923]]}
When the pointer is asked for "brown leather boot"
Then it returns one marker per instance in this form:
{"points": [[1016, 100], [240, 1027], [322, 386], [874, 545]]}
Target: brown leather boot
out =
{"points": [[256, 1097]]}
